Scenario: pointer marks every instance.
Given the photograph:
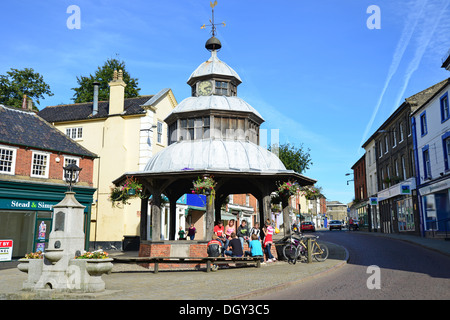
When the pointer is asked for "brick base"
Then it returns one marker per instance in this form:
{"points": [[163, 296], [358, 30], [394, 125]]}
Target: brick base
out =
{"points": [[179, 248]]}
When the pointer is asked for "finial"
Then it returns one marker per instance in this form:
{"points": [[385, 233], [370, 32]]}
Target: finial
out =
{"points": [[213, 43], [115, 75]]}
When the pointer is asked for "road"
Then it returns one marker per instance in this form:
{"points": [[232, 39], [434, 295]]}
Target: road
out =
{"points": [[402, 271]]}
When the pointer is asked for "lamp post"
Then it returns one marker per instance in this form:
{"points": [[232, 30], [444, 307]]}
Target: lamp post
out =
{"points": [[71, 174], [347, 174]]}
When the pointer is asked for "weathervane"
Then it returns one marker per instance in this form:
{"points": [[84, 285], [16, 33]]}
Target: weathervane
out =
{"points": [[213, 25]]}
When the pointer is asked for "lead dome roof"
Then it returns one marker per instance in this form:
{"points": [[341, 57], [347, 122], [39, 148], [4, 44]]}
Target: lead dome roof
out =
{"points": [[214, 154], [213, 66], [215, 102]]}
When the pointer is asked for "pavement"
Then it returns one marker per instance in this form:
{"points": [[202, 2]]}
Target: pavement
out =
{"points": [[132, 282]]}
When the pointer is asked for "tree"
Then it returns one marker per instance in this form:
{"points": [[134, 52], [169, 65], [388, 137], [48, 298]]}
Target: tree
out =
{"points": [[103, 75], [294, 158], [16, 83]]}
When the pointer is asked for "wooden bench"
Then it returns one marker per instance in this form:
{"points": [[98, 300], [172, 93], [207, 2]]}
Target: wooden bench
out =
{"points": [[209, 261]]}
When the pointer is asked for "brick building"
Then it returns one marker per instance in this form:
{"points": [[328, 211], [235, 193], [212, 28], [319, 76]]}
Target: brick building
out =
{"points": [[32, 156], [360, 209]]}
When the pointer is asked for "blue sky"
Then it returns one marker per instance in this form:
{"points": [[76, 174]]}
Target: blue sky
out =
{"points": [[313, 69]]}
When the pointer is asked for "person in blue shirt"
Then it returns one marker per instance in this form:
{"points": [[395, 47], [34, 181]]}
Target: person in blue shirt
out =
{"points": [[255, 248]]}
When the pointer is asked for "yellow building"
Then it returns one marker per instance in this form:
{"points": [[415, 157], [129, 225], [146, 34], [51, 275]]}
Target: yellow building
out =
{"points": [[124, 133]]}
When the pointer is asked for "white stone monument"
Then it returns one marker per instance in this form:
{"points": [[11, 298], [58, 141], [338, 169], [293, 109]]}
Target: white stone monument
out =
{"points": [[59, 270]]}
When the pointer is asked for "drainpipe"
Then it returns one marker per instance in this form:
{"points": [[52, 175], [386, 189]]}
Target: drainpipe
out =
{"points": [[416, 164]]}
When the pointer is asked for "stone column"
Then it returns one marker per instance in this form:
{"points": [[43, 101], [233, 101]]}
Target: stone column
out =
{"points": [[173, 218], [286, 217], [266, 207], [144, 220], [209, 217], [156, 216]]}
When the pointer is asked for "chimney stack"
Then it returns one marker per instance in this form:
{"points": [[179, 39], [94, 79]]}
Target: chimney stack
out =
{"points": [[95, 106], [117, 93], [30, 104]]}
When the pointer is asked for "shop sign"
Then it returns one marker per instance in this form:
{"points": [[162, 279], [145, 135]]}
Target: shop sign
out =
{"points": [[26, 205], [373, 201], [6, 248], [405, 189]]}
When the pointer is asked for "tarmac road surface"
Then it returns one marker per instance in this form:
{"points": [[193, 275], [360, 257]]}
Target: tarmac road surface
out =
{"points": [[378, 268]]}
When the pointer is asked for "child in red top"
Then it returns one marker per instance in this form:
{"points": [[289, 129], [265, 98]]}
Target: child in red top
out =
{"points": [[268, 232]]}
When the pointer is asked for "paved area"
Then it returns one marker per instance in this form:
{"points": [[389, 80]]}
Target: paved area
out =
{"points": [[132, 282]]}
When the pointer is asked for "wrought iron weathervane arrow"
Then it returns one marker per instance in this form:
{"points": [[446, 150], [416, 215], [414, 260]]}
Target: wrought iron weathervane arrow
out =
{"points": [[212, 25]]}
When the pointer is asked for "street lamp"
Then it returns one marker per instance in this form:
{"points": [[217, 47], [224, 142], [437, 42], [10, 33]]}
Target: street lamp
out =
{"points": [[71, 174], [347, 174]]}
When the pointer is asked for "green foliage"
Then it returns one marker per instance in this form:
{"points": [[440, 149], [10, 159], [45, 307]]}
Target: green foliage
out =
{"points": [[17, 82], [294, 158], [85, 91]]}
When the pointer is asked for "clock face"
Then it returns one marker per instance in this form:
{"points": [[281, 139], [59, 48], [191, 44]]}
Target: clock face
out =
{"points": [[205, 88]]}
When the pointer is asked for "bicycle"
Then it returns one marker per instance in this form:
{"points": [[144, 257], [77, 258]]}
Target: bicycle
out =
{"points": [[298, 248]]}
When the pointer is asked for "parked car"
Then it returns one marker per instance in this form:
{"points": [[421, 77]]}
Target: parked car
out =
{"points": [[335, 224], [308, 226]]}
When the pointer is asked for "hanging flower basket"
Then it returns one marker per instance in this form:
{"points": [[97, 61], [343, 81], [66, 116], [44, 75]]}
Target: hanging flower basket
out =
{"points": [[121, 194], [204, 185], [311, 192], [287, 189]]}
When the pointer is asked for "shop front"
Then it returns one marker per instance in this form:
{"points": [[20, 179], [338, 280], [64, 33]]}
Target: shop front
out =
{"points": [[26, 214], [398, 209], [436, 207]]}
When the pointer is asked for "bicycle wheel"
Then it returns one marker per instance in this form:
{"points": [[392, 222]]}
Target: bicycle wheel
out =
{"points": [[290, 252], [320, 251]]}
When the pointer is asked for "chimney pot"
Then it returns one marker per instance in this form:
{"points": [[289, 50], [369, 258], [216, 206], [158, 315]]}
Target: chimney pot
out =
{"points": [[24, 102], [95, 102]]}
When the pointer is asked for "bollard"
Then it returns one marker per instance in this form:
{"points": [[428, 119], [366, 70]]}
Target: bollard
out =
{"points": [[309, 248]]}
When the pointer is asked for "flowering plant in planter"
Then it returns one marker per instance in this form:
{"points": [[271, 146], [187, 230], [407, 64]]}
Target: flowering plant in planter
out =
{"points": [[311, 192], [93, 255], [34, 255], [287, 188], [204, 185]]}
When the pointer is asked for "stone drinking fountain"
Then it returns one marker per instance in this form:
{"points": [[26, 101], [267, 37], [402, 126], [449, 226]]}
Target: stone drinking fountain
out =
{"points": [[60, 270]]}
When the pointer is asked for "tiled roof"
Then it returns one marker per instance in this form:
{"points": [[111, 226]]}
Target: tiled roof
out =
{"points": [[83, 111], [420, 99], [414, 102], [25, 128]]}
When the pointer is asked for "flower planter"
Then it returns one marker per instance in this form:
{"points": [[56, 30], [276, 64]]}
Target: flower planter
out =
{"points": [[131, 192], [33, 267], [96, 268], [24, 265]]}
